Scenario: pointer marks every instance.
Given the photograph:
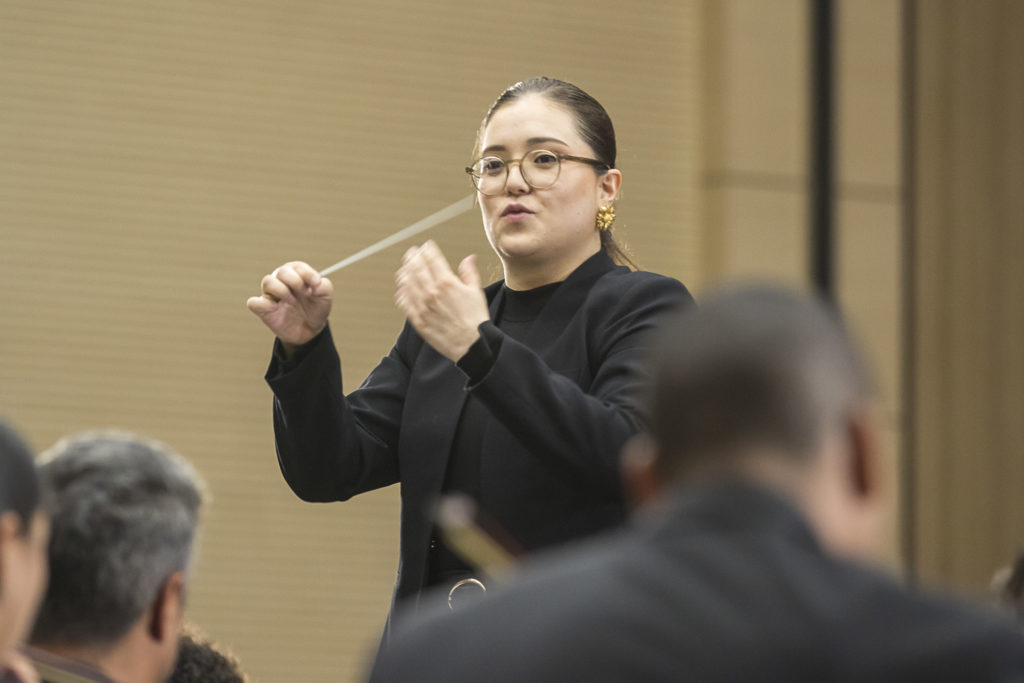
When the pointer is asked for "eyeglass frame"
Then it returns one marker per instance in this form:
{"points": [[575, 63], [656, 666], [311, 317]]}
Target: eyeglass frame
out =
{"points": [[474, 178]]}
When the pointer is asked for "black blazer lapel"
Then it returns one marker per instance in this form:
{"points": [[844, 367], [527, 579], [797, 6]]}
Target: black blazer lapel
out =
{"points": [[433, 406], [434, 403]]}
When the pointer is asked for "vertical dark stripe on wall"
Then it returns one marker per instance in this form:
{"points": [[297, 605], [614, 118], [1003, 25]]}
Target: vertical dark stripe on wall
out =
{"points": [[908, 286], [821, 167]]}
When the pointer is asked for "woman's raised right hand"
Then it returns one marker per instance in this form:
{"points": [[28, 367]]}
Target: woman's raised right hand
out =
{"points": [[294, 304]]}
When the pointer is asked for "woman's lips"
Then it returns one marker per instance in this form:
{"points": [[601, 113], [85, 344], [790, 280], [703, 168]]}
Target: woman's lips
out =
{"points": [[516, 212]]}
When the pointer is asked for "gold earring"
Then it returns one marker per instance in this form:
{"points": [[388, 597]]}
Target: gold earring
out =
{"points": [[605, 218]]}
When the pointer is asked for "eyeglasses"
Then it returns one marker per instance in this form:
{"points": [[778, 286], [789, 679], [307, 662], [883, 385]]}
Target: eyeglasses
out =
{"points": [[539, 168]]}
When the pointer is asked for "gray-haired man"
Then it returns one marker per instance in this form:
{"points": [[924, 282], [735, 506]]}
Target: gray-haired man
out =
{"points": [[123, 529]]}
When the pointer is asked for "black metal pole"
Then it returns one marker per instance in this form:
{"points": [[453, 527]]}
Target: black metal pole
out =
{"points": [[822, 145]]}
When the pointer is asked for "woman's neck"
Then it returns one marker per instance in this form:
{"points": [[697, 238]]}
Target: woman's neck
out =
{"points": [[525, 274]]}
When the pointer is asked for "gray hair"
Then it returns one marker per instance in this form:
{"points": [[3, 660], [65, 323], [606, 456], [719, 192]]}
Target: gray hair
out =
{"points": [[753, 368], [125, 517]]}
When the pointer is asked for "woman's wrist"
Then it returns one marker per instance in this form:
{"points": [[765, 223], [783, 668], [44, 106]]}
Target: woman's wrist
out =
{"points": [[290, 354]]}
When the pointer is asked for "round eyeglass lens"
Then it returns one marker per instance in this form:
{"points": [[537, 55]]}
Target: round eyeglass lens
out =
{"points": [[539, 168]]}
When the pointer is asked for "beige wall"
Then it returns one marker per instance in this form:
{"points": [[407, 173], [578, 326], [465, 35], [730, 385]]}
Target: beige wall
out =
{"points": [[869, 251], [159, 157], [967, 347], [754, 168]]}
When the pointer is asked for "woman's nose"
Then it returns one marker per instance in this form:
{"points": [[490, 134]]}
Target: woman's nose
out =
{"points": [[516, 183]]}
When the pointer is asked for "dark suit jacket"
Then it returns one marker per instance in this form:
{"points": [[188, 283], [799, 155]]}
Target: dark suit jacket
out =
{"points": [[563, 402], [53, 668], [729, 584]]}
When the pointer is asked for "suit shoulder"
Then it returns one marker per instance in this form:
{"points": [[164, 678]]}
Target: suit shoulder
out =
{"points": [[927, 635], [631, 285], [493, 634]]}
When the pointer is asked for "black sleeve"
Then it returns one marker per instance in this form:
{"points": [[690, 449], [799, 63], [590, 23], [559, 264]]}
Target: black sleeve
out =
{"points": [[331, 446], [477, 361], [576, 430]]}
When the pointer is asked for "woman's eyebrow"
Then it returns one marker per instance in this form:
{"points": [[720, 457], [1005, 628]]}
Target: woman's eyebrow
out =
{"points": [[537, 141], [529, 142]]}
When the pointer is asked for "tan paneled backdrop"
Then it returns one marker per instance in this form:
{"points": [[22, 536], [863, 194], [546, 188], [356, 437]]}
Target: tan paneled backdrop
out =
{"points": [[967, 347], [157, 158], [869, 254], [755, 131]]}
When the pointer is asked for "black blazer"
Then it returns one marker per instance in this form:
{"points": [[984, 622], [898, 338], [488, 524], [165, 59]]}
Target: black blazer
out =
{"points": [[563, 402], [728, 585]]}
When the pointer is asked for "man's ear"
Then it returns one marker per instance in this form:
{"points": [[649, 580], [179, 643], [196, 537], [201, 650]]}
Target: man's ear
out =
{"points": [[638, 464], [864, 442], [10, 527], [167, 612]]}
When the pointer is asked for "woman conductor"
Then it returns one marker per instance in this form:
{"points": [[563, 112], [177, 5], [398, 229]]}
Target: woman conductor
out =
{"points": [[519, 394]]}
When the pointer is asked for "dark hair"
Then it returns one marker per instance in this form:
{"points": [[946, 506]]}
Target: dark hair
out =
{"points": [[756, 367], [202, 661], [1011, 592], [20, 489], [126, 511], [592, 122]]}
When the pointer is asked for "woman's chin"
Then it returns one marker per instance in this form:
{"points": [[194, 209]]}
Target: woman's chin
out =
{"points": [[516, 246]]}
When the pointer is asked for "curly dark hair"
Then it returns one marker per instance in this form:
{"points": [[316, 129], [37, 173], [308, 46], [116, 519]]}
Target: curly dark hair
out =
{"points": [[202, 661], [1012, 592]]}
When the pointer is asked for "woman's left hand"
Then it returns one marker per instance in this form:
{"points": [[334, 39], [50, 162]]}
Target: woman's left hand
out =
{"points": [[443, 307]]}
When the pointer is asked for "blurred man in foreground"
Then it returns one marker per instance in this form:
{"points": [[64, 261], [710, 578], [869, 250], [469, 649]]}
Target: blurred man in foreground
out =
{"points": [[761, 478], [24, 529], [126, 511]]}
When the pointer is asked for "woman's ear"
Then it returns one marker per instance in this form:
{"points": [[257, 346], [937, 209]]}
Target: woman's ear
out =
{"points": [[638, 465], [609, 184]]}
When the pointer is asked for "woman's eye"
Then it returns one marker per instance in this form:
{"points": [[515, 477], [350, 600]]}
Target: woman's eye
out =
{"points": [[544, 159], [491, 166]]}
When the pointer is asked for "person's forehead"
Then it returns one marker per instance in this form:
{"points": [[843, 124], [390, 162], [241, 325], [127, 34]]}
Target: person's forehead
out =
{"points": [[531, 118]]}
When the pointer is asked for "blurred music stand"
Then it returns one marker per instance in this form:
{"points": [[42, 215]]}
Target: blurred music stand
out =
{"points": [[475, 537]]}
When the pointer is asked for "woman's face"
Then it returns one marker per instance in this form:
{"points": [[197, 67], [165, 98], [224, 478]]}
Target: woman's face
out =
{"points": [[25, 571], [541, 236]]}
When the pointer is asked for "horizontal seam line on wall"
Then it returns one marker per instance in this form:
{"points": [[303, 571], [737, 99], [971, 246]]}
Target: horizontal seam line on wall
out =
{"points": [[781, 182]]}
